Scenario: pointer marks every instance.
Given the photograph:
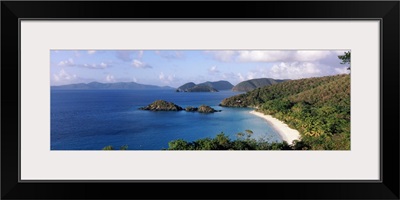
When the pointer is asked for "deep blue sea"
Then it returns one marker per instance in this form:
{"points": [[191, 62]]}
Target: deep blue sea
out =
{"points": [[93, 119]]}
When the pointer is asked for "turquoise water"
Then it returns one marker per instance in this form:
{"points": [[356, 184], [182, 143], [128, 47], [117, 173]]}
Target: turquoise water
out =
{"points": [[93, 119]]}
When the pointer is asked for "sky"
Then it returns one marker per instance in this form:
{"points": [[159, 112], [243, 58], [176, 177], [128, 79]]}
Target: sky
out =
{"points": [[175, 67]]}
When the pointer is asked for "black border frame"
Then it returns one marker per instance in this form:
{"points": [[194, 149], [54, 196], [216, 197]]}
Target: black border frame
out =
{"points": [[386, 11]]}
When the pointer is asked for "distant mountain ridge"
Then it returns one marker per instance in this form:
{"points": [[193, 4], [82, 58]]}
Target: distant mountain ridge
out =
{"points": [[205, 87], [185, 87], [249, 85], [219, 85], [108, 86]]}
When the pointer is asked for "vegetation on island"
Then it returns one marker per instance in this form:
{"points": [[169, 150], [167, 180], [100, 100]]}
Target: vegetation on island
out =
{"points": [[249, 85], [191, 109], [218, 85], [185, 87], [205, 87], [161, 105], [206, 109], [319, 108], [201, 88]]}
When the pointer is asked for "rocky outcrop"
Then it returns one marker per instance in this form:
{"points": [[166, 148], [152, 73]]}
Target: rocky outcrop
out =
{"points": [[191, 109], [207, 109], [161, 105]]}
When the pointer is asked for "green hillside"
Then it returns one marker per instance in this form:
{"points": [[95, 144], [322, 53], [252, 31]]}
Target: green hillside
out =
{"points": [[218, 85], [319, 108], [249, 85], [205, 87]]}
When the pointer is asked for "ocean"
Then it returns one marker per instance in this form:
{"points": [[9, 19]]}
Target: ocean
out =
{"points": [[93, 119]]}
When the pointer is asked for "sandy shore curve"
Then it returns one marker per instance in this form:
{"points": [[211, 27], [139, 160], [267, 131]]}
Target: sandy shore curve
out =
{"points": [[288, 134]]}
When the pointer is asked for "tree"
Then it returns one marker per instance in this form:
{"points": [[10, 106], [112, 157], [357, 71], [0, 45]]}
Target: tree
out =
{"points": [[109, 147], [345, 59]]}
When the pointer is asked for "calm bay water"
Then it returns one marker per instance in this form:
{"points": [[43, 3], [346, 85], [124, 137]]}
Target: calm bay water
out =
{"points": [[93, 119]]}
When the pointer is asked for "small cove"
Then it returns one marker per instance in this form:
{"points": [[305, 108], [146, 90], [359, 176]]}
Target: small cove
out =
{"points": [[93, 119]]}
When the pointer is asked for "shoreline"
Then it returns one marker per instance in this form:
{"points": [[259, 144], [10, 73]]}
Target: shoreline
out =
{"points": [[288, 134]]}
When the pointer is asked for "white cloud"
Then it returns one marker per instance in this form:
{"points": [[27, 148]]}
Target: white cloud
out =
{"points": [[90, 52], [268, 56], [69, 63], [340, 52], [102, 65], [213, 70], [294, 70], [241, 77], [263, 56], [110, 78], [307, 56], [166, 78], [251, 75], [342, 70], [224, 56], [62, 76], [139, 64]]}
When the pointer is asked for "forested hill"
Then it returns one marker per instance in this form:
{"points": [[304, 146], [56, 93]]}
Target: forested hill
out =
{"points": [[252, 84], [318, 107], [205, 87]]}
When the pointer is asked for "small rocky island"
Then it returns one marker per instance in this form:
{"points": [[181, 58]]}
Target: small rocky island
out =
{"points": [[161, 105], [207, 109]]}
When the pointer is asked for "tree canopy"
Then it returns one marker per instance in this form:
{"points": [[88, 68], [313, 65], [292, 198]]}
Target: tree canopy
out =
{"points": [[345, 59]]}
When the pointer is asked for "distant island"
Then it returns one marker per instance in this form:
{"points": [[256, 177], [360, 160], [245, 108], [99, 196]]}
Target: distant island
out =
{"points": [[161, 105], [249, 85], [109, 86], [244, 86], [205, 87]]}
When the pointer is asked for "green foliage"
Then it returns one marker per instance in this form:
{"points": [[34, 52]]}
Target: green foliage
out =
{"points": [[223, 142], [346, 59], [178, 145], [319, 108], [109, 147], [252, 84]]}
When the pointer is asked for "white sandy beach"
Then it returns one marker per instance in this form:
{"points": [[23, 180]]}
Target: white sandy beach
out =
{"points": [[288, 134]]}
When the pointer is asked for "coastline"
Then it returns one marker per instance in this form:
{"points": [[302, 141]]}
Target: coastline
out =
{"points": [[288, 134]]}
